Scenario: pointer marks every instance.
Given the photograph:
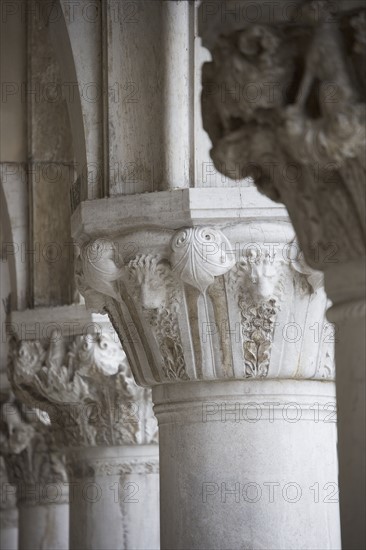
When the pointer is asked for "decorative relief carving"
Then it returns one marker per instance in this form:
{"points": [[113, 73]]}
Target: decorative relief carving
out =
{"points": [[29, 450], [257, 328], [303, 138], [199, 255], [183, 303], [87, 388], [256, 282], [96, 271], [159, 298], [166, 328], [81, 468]]}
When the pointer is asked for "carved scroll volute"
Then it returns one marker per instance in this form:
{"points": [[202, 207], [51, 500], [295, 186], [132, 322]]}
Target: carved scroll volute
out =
{"points": [[97, 272], [199, 255]]}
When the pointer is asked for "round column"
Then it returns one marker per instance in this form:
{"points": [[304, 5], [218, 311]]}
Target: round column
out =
{"points": [[115, 498], [224, 315], [37, 471], [306, 150], [9, 529], [238, 457], [348, 315], [106, 426], [8, 511], [44, 522]]}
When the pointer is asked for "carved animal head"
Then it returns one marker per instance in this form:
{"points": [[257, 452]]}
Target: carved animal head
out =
{"points": [[153, 275]]}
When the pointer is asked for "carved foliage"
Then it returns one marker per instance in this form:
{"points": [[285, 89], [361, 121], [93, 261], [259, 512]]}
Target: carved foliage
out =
{"points": [[28, 447], [88, 391], [302, 138], [178, 298], [159, 296], [256, 281]]}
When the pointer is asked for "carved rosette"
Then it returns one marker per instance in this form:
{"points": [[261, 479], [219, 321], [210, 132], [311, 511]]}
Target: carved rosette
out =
{"points": [[87, 389], [29, 451], [283, 102], [200, 308]]}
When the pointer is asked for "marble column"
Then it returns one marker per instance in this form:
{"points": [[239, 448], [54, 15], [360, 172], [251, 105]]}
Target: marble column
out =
{"points": [[105, 424], [302, 139], [219, 313], [8, 512], [38, 472]]}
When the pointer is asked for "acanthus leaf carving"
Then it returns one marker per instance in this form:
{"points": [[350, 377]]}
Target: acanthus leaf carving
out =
{"points": [[174, 310], [89, 393], [28, 447], [159, 295]]}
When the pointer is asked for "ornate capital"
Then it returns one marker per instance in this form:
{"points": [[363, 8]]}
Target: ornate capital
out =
{"points": [[211, 303], [283, 102], [29, 451], [86, 387]]}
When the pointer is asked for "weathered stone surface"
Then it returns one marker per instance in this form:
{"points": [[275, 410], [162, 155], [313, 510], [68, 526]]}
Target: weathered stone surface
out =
{"points": [[302, 137], [86, 388], [210, 302]]}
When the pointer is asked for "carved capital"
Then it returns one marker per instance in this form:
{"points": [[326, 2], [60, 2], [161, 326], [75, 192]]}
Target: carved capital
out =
{"points": [[283, 102], [29, 451], [86, 387], [210, 303]]}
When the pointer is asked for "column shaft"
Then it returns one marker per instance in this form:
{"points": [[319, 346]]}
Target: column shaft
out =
{"points": [[248, 464], [44, 526], [115, 498]]}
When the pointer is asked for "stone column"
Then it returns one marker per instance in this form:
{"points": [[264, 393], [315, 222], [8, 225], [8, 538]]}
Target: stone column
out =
{"points": [[106, 425], [218, 312], [303, 141], [8, 512], [38, 472]]}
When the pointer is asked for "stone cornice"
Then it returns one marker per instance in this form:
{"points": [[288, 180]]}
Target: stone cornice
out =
{"points": [[171, 210], [67, 321]]}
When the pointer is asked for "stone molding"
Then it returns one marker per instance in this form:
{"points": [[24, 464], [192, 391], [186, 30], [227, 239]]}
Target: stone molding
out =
{"points": [[209, 302], [79, 468], [303, 141], [86, 387]]}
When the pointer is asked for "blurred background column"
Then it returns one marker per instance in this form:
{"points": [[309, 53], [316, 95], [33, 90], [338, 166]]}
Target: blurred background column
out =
{"points": [[103, 422]]}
